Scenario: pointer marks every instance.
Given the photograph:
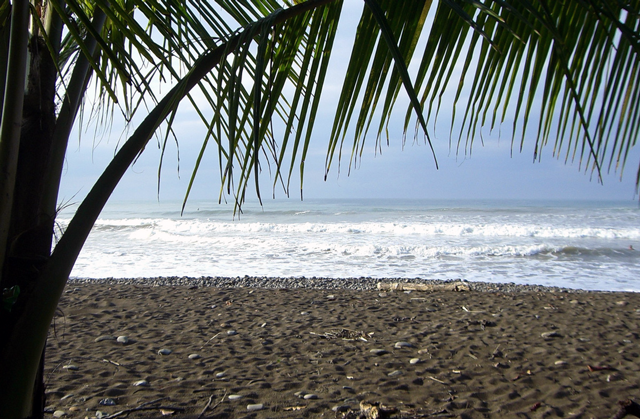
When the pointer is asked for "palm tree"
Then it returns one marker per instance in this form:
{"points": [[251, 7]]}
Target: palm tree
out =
{"points": [[573, 66]]}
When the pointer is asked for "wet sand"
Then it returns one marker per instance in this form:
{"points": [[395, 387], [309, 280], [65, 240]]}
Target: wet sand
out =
{"points": [[425, 354]]}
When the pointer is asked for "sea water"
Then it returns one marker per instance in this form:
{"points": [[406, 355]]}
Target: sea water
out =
{"points": [[584, 245]]}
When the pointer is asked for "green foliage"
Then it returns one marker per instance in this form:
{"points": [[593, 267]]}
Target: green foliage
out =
{"points": [[573, 64], [9, 297], [571, 69]]}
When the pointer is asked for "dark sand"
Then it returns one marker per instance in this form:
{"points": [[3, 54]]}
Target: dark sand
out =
{"points": [[482, 354]]}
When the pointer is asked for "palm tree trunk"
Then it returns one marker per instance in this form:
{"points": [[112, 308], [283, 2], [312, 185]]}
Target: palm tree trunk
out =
{"points": [[12, 117], [30, 233]]}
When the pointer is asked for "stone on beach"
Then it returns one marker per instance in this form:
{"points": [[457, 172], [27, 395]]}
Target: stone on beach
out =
{"points": [[194, 356], [141, 383], [123, 339], [253, 407], [164, 351], [341, 408], [400, 345], [379, 351], [105, 337]]}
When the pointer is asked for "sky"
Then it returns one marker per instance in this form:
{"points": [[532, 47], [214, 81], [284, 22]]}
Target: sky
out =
{"points": [[491, 171]]}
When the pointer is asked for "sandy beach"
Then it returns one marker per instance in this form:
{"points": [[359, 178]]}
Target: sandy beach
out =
{"points": [[289, 353]]}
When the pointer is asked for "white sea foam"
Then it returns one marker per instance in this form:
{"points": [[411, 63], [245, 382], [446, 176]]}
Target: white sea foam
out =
{"points": [[201, 227], [576, 245]]}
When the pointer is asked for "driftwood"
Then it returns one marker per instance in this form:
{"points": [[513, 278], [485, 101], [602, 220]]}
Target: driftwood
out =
{"points": [[403, 286], [344, 334], [209, 404], [376, 410], [145, 406], [627, 407]]}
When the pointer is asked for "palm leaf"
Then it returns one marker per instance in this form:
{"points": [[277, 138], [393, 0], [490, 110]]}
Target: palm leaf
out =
{"points": [[568, 71]]}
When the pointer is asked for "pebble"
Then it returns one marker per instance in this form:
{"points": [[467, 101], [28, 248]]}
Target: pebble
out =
{"points": [[395, 373], [614, 377], [107, 402], [59, 413], [304, 313], [553, 334], [357, 284], [331, 297], [221, 374], [71, 367], [378, 351], [310, 397], [141, 383], [105, 337], [164, 351], [400, 345], [235, 397], [560, 363], [194, 356], [231, 332], [253, 407], [300, 394], [414, 361], [123, 339], [341, 408]]}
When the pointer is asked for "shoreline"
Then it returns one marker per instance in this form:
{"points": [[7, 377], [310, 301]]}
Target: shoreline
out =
{"points": [[316, 283]]}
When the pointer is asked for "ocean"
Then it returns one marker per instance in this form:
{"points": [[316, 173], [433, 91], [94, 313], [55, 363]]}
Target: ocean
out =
{"points": [[574, 244]]}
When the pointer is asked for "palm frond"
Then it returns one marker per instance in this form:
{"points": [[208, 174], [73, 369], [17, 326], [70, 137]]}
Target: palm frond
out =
{"points": [[569, 70], [578, 59]]}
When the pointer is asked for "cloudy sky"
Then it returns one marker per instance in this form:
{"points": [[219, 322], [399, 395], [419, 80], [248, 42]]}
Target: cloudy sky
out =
{"points": [[489, 172]]}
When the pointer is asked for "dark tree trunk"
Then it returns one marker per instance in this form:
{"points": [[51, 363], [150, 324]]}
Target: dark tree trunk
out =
{"points": [[31, 232]]}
